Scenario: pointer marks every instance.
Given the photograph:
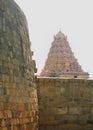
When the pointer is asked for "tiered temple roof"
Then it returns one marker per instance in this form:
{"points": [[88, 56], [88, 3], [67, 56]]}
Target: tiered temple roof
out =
{"points": [[61, 61]]}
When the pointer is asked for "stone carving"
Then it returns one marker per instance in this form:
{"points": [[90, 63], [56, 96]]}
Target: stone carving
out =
{"points": [[61, 61]]}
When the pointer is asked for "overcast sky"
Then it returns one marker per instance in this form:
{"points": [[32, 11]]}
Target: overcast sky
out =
{"points": [[73, 17]]}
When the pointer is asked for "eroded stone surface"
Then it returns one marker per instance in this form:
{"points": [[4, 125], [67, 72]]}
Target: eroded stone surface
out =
{"points": [[65, 104], [18, 94]]}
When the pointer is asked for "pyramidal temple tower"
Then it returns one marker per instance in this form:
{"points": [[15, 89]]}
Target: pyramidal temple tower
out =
{"points": [[61, 61]]}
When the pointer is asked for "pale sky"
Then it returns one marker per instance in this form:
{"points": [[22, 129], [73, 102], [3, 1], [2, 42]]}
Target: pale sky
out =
{"points": [[74, 17]]}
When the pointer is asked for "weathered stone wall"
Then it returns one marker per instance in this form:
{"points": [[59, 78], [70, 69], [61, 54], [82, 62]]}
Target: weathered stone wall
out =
{"points": [[65, 104], [18, 92]]}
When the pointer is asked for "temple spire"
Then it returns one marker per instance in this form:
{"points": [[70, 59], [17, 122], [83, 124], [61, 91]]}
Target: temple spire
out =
{"points": [[61, 61]]}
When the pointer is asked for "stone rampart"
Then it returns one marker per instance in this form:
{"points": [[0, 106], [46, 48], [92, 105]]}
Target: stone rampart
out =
{"points": [[65, 104], [18, 92]]}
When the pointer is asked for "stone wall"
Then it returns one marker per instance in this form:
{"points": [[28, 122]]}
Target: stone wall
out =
{"points": [[65, 104], [18, 92]]}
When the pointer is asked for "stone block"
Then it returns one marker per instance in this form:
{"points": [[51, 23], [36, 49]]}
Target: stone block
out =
{"points": [[15, 121], [75, 110], [1, 114], [61, 111], [4, 128]]}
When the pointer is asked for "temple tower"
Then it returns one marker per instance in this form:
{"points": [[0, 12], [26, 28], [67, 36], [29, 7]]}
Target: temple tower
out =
{"points": [[61, 61], [18, 92]]}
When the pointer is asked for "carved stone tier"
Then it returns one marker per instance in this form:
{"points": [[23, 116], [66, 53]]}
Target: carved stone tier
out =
{"points": [[61, 61]]}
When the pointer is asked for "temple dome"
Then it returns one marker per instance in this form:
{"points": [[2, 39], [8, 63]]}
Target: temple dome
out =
{"points": [[60, 34]]}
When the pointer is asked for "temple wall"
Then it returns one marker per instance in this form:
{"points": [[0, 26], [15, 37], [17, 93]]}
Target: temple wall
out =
{"points": [[18, 91], [65, 104], [73, 76]]}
